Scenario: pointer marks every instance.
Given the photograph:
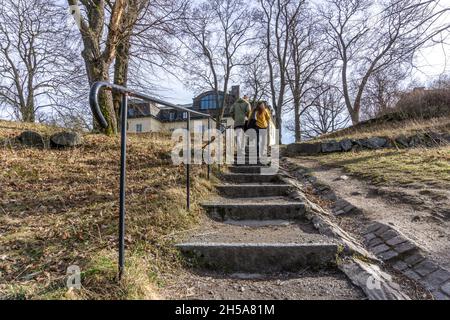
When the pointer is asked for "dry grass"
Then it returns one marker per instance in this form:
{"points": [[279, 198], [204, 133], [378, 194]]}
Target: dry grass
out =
{"points": [[59, 208], [390, 129], [401, 167]]}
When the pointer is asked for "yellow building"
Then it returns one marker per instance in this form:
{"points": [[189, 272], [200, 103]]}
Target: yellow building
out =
{"points": [[149, 117]]}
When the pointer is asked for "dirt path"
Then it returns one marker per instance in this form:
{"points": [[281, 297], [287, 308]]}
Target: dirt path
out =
{"points": [[421, 213]]}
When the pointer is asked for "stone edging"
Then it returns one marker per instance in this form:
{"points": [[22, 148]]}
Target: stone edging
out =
{"points": [[406, 257], [359, 265], [428, 139]]}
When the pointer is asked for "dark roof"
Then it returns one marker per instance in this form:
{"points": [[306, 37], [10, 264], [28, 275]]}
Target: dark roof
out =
{"points": [[139, 109]]}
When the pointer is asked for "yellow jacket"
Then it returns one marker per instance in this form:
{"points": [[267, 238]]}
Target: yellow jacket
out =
{"points": [[263, 119]]}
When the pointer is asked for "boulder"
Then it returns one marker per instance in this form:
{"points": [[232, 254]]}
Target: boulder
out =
{"points": [[304, 148], [402, 141], [65, 139], [374, 143], [331, 146], [31, 139], [346, 144], [415, 141], [436, 138]]}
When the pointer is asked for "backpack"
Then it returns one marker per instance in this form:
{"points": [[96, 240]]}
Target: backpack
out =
{"points": [[251, 123]]}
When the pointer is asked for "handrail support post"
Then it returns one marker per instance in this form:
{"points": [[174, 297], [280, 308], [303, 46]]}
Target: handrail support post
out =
{"points": [[188, 162], [209, 150], [123, 157]]}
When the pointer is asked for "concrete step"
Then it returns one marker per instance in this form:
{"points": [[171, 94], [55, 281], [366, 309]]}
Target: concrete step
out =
{"points": [[245, 169], [248, 163], [250, 178], [260, 257], [253, 190], [273, 208]]}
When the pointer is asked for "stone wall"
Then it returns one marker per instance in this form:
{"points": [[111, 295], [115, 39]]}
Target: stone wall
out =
{"points": [[428, 139]]}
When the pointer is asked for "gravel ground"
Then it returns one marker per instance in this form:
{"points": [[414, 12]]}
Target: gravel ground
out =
{"points": [[305, 285]]}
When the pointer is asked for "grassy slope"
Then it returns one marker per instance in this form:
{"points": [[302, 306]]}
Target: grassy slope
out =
{"points": [[400, 167], [59, 208], [390, 129], [427, 166]]}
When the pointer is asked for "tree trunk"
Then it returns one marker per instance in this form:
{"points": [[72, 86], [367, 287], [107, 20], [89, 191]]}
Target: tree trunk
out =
{"points": [[354, 114], [121, 74], [298, 136], [97, 70], [28, 113]]}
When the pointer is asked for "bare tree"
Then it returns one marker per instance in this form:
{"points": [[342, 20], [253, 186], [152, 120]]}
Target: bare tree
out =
{"points": [[100, 45], [153, 45], [256, 80], [308, 62], [278, 19], [217, 33], [326, 114], [36, 62], [382, 92], [368, 37]]}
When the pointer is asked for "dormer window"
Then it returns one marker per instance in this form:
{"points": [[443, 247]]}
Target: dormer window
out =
{"points": [[209, 101]]}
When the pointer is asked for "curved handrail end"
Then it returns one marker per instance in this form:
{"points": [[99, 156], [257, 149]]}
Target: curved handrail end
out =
{"points": [[93, 102]]}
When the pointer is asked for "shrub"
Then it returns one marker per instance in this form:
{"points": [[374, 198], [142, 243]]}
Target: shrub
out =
{"points": [[423, 104]]}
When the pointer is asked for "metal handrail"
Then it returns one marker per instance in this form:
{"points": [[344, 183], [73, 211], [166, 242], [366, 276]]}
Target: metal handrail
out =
{"points": [[93, 102]]}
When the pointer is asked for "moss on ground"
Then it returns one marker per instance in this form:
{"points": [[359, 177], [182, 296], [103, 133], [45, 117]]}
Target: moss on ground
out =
{"points": [[389, 129], [60, 208], [406, 167]]}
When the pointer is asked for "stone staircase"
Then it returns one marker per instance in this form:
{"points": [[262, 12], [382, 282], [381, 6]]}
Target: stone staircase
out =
{"points": [[258, 228]]}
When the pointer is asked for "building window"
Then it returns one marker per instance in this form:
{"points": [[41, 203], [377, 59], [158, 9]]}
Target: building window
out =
{"points": [[139, 127], [209, 102], [172, 116], [185, 115]]}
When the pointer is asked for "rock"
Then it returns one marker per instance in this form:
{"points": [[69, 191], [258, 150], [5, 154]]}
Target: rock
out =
{"points": [[388, 255], [346, 144], [425, 268], [374, 242], [304, 148], [348, 208], [402, 141], [446, 288], [412, 275], [374, 143], [65, 139], [396, 241], [405, 247], [446, 137], [344, 178], [414, 259], [415, 141], [400, 266], [331, 146], [388, 235], [373, 227], [437, 278], [31, 139], [380, 248]]}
